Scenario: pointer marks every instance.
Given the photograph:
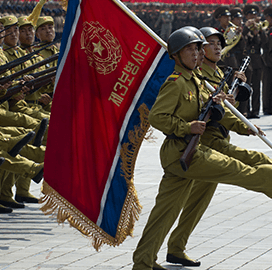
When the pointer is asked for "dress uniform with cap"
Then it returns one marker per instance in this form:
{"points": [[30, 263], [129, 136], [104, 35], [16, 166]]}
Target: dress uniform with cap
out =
{"points": [[178, 103], [240, 52], [223, 11], [267, 57]]}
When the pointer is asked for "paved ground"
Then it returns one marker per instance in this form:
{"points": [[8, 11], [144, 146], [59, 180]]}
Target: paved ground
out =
{"points": [[235, 232]]}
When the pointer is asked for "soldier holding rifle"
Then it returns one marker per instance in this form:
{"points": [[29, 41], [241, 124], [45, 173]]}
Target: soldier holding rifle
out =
{"points": [[175, 113], [202, 192]]}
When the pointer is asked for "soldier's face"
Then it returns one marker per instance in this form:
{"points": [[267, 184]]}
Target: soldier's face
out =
{"points": [[26, 35], [213, 49], [224, 20], [189, 55], [200, 57], [251, 16], [12, 36], [46, 32], [237, 21]]}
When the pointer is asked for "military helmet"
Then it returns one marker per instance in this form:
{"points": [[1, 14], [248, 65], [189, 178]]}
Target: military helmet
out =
{"points": [[180, 38], [198, 32], [209, 31]]}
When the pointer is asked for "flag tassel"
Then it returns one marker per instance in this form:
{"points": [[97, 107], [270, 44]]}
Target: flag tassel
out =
{"points": [[56, 206]]}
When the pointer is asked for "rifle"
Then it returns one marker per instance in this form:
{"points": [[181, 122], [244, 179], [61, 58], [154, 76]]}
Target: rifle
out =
{"points": [[40, 73], [22, 59], [36, 83], [241, 90], [25, 70], [210, 110]]}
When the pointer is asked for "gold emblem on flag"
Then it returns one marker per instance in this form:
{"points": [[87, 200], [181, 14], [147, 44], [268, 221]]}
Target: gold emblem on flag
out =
{"points": [[103, 50]]}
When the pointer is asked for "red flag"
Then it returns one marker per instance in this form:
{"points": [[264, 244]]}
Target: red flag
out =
{"points": [[109, 74]]}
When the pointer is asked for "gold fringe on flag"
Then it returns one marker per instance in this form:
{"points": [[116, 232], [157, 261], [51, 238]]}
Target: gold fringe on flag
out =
{"points": [[35, 14], [55, 205]]}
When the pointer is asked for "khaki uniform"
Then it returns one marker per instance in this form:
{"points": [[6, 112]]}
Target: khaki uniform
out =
{"points": [[179, 102], [21, 106], [202, 192]]}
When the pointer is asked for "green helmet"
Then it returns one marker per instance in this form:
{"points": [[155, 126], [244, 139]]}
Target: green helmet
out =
{"points": [[209, 31], [198, 32], [180, 38]]}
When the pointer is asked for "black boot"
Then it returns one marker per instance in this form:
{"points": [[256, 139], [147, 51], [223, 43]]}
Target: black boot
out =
{"points": [[19, 145], [40, 133], [12, 204], [5, 210]]}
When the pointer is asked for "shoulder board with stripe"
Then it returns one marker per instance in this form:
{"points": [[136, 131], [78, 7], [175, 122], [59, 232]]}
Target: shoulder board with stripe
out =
{"points": [[174, 76]]}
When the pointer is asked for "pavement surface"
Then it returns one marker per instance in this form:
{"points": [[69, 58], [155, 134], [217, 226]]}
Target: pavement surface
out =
{"points": [[234, 233]]}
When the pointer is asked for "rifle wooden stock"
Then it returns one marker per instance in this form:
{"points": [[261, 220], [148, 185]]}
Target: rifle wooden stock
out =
{"points": [[22, 59], [187, 155], [36, 83], [28, 69]]}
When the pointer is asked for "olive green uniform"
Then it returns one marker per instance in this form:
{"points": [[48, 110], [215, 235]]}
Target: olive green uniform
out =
{"points": [[202, 192], [179, 102], [21, 106]]}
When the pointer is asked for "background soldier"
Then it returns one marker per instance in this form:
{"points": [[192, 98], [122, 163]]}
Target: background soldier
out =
{"points": [[255, 38], [267, 57]]}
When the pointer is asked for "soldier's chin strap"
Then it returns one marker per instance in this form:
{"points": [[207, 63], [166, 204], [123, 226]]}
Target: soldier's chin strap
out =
{"points": [[179, 58], [209, 59]]}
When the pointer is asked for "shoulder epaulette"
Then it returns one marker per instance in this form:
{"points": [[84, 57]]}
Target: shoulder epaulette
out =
{"points": [[174, 76]]}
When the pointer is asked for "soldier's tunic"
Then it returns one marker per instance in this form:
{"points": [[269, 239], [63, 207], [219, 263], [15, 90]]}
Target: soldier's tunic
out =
{"points": [[267, 75], [202, 192], [179, 103], [21, 106]]}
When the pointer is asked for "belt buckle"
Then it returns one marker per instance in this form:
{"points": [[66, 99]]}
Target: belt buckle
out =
{"points": [[252, 51]]}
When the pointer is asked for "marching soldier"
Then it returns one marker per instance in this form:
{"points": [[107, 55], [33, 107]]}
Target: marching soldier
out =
{"points": [[27, 38], [45, 32], [255, 38], [267, 57]]}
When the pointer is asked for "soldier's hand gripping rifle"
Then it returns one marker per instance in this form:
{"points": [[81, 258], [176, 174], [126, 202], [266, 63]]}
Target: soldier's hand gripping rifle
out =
{"points": [[211, 110], [36, 83], [22, 59], [241, 90], [28, 69]]}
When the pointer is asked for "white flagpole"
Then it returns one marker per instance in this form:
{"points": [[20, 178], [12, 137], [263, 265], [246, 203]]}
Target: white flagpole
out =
{"points": [[242, 117]]}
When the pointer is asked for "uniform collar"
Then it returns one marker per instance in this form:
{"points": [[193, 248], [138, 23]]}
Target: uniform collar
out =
{"points": [[211, 71], [184, 72]]}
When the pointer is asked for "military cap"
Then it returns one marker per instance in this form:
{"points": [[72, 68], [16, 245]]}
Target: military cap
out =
{"points": [[44, 19], [221, 11], [268, 11], [236, 12], [9, 20], [253, 9], [24, 21]]}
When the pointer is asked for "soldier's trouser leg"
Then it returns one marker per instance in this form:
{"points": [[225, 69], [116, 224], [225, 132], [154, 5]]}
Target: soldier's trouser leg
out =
{"points": [[202, 193], [3, 176], [173, 192], [28, 111], [267, 90], [256, 85], [207, 165], [33, 153], [8, 118], [6, 193], [16, 131]]}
